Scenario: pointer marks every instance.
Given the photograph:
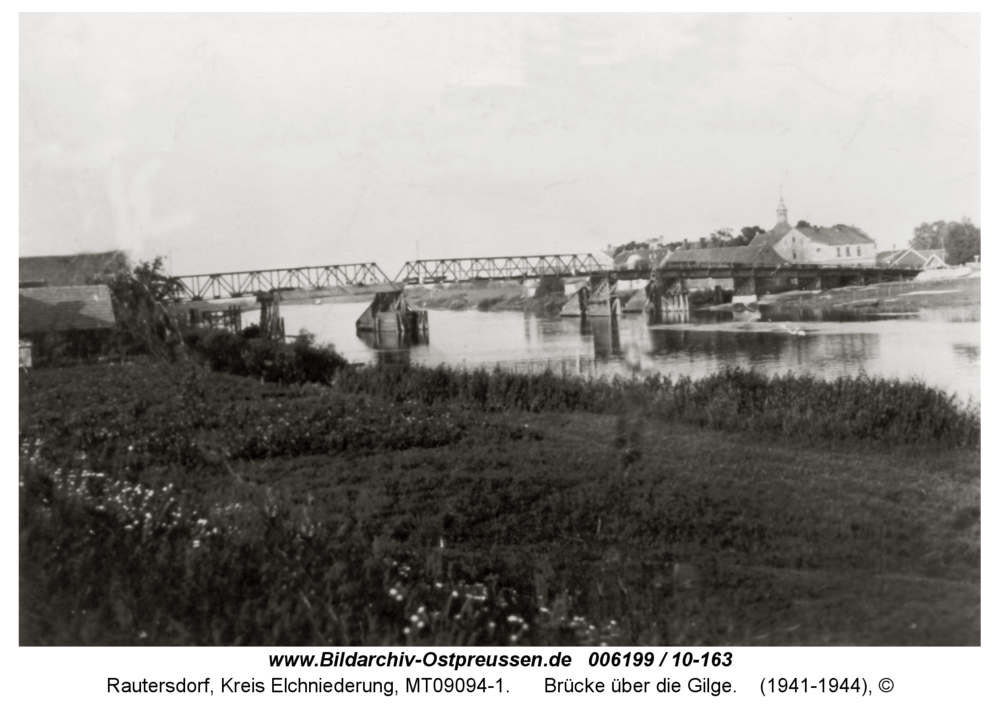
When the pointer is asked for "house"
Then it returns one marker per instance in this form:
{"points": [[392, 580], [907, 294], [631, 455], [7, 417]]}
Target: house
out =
{"points": [[918, 258], [805, 244], [65, 321]]}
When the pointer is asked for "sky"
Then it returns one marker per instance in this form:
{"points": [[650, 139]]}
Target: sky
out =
{"points": [[229, 142]]}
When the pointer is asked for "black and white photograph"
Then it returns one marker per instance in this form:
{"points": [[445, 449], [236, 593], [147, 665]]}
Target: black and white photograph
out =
{"points": [[499, 330]]}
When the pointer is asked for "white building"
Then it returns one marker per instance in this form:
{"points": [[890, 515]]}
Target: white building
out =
{"points": [[840, 244]]}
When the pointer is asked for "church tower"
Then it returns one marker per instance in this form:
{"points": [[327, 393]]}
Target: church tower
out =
{"points": [[782, 210]]}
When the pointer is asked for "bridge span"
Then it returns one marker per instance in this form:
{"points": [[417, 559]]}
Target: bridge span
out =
{"points": [[233, 285], [436, 271], [667, 289]]}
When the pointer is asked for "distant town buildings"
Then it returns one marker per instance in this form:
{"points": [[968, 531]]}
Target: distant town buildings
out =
{"points": [[783, 244], [840, 244]]}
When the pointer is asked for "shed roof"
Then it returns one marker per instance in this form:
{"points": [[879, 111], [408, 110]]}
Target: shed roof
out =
{"points": [[64, 308]]}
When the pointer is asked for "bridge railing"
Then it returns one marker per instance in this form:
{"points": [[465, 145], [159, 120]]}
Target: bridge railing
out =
{"points": [[475, 268], [198, 287]]}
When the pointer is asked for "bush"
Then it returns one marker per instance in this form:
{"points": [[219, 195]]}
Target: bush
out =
{"points": [[296, 363]]}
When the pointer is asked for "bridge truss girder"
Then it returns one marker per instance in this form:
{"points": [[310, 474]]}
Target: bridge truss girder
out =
{"points": [[200, 287], [424, 271]]}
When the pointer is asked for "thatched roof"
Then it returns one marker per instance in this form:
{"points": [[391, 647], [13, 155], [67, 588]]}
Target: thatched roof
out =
{"points": [[69, 270]]}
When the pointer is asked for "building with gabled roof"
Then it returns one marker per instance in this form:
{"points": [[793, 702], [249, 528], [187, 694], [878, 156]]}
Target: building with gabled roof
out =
{"points": [[909, 257], [76, 321], [839, 244]]}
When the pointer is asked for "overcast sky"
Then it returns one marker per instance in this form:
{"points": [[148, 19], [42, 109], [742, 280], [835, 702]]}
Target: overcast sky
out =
{"points": [[233, 142]]}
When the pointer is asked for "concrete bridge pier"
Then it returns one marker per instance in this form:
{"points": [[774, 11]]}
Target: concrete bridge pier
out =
{"points": [[667, 296], [596, 297], [390, 312]]}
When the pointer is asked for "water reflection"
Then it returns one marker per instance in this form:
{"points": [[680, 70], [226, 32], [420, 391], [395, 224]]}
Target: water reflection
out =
{"points": [[392, 348], [967, 352], [836, 315], [604, 331], [942, 349], [789, 312]]}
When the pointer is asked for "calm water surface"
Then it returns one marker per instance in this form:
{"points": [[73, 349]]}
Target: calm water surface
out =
{"points": [[940, 347]]}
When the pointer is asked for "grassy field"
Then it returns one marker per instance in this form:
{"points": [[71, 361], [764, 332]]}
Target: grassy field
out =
{"points": [[175, 505]]}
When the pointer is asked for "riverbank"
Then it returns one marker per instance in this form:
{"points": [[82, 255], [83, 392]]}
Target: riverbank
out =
{"points": [[173, 505], [887, 298]]}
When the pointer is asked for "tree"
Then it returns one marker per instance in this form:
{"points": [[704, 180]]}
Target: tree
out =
{"points": [[962, 242], [929, 235], [721, 238], [139, 299], [746, 235], [630, 246], [802, 223]]}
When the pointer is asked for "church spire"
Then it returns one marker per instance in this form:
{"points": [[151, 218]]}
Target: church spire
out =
{"points": [[782, 210]]}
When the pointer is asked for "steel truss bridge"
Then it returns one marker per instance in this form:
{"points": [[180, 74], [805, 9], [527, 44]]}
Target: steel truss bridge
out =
{"points": [[200, 287], [434, 271]]}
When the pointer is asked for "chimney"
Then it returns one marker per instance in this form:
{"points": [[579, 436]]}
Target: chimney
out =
{"points": [[702, 240], [685, 243]]}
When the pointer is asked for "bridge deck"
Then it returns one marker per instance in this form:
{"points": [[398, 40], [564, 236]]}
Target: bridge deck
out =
{"points": [[200, 287], [431, 271]]}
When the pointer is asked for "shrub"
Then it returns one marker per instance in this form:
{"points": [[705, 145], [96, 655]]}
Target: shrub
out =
{"points": [[299, 362]]}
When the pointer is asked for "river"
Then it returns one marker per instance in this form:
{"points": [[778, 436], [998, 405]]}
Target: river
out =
{"points": [[940, 347]]}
